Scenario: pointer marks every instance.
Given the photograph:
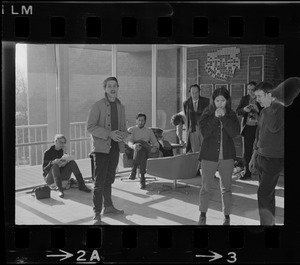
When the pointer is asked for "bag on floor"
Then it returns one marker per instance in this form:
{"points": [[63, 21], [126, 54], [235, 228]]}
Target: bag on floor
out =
{"points": [[41, 192]]}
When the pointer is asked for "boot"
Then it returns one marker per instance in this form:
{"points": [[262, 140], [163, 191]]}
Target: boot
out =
{"points": [[81, 184], [133, 172], [142, 182]]}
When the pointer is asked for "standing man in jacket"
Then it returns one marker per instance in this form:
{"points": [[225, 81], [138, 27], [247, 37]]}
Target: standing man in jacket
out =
{"points": [[193, 108], [249, 109], [268, 153], [107, 125]]}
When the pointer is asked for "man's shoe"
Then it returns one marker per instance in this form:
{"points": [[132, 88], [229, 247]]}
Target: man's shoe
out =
{"points": [[97, 219], [132, 176], [143, 182], [202, 220], [84, 188], [112, 210], [226, 221], [142, 185], [245, 176], [61, 194]]}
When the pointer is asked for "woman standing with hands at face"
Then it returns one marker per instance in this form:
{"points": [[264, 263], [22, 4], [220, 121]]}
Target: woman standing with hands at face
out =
{"points": [[219, 125]]}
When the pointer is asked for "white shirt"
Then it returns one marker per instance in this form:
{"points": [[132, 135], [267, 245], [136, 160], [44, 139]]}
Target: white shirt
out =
{"points": [[195, 104]]}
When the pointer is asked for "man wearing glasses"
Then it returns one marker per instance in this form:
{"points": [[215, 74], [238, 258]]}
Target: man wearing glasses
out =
{"points": [[58, 167]]}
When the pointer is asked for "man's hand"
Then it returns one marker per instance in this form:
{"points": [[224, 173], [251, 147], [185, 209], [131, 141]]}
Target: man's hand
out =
{"points": [[255, 107], [153, 149], [252, 163], [56, 161], [116, 136], [62, 163], [137, 147], [247, 108]]}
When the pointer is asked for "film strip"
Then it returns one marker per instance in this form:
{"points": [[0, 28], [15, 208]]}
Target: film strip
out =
{"points": [[96, 23]]}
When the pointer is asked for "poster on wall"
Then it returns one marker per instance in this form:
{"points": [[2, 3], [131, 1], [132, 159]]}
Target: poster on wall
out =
{"points": [[221, 85], [192, 73], [237, 91], [255, 68], [206, 90]]}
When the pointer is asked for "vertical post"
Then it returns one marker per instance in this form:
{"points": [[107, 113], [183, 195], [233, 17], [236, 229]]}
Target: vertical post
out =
{"points": [[154, 85], [62, 52], [51, 83], [114, 61], [183, 60]]}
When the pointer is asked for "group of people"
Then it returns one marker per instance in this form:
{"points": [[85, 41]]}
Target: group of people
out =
{"points": [[211, 126]]}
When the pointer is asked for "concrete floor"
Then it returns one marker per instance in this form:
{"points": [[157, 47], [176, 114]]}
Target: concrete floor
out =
{"points": [[146, 207]]}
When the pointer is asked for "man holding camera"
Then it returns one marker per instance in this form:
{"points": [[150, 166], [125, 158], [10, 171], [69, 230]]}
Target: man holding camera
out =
{"points": [[249, 109]]}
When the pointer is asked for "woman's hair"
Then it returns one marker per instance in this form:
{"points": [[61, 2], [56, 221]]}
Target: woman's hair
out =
{"points": [[111, 78], [59, 136], [176, 119], [222, 91]]}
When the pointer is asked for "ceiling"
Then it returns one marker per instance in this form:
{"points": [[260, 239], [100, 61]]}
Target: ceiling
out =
{"points": [[130, 47]]}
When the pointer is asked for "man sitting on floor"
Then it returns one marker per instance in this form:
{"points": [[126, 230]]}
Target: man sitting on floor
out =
{"points": [[58, 166], [145, 145]]}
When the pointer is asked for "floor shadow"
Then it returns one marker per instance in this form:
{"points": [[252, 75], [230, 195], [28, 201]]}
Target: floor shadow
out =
{"points": [[38, 213]]}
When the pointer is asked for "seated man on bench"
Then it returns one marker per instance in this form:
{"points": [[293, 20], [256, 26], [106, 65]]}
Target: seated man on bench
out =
{"points": [[144, 144]]}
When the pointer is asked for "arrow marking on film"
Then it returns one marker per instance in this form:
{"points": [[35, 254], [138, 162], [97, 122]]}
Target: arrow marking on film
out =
{"points": [[214, 256], [66, 255]]}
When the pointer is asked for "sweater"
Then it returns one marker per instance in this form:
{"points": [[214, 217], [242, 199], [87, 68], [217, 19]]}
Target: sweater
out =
{"points": [[144, 134], [269, 140], [50, 155], [211, 127]]}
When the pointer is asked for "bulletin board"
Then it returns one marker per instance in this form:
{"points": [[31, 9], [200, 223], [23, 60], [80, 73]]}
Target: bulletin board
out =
{"points": [[206, 90]]}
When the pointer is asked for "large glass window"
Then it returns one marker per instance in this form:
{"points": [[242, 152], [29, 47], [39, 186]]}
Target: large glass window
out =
{"points": [[168, 88], [134, 75], [31, 103], [89, 65]]}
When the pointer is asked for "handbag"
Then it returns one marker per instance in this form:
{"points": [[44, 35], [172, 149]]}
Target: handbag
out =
{"points": [[41, 192]]}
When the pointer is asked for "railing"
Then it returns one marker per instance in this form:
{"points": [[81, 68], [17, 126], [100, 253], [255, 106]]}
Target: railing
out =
{"points": [[32, 141], [80, 142]]}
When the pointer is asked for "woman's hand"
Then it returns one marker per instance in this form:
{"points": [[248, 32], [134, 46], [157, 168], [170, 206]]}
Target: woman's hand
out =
{"points": [[219, 112]]}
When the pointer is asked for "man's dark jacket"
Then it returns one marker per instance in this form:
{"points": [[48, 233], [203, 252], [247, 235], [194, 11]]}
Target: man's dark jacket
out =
{"points": [[193, 117], [240, 110]]}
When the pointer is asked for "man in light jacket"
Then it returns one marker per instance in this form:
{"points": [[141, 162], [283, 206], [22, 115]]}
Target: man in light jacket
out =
{"points": [[107, 125]]}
